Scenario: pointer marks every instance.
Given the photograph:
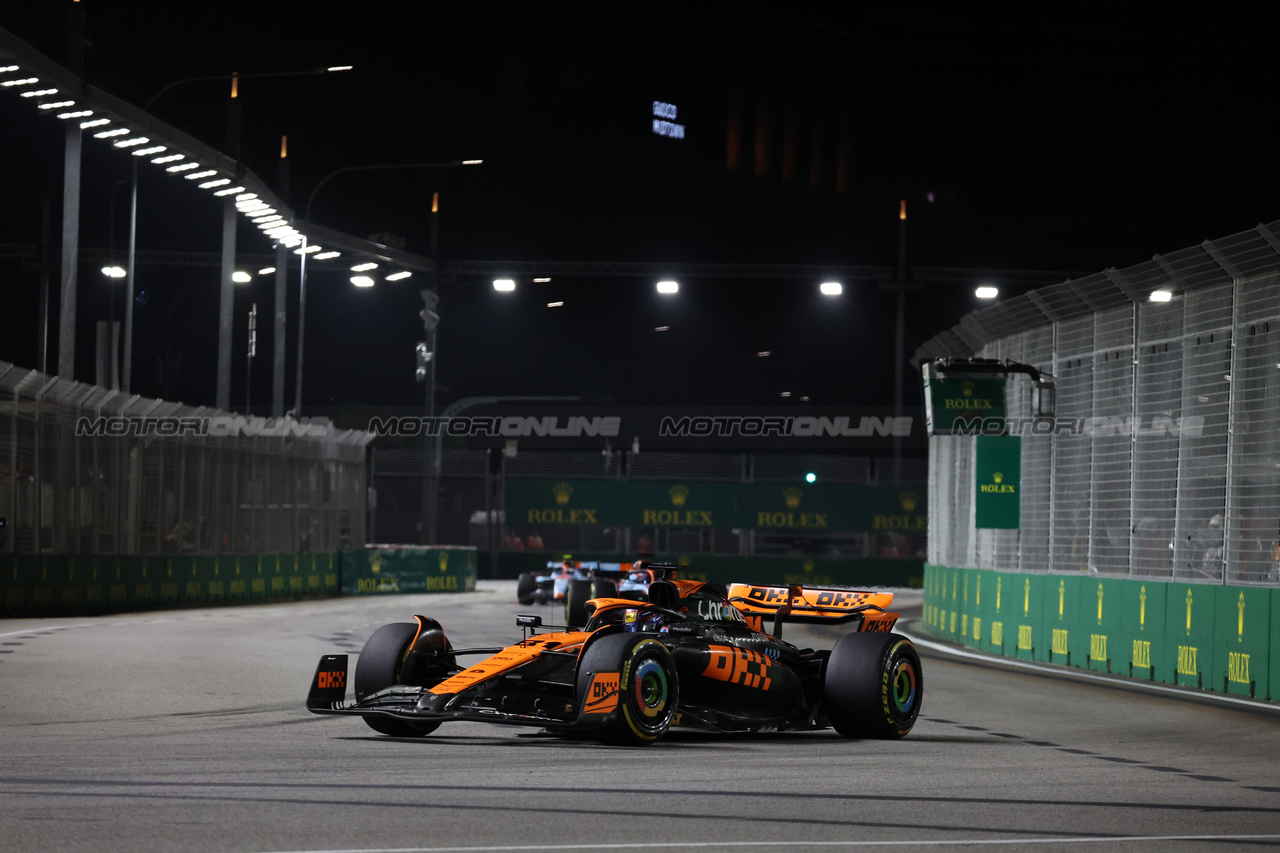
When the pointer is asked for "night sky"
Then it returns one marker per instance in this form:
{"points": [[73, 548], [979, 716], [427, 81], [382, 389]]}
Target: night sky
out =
{"points": [[1046, 136]]}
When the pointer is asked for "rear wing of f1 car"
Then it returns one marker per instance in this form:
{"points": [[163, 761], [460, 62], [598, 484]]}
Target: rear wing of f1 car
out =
{"points": [[814, 605]]}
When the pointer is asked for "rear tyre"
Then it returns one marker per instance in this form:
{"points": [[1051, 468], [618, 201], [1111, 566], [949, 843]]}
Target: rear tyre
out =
{"points": [[648, 687], [378, 668], [526, 588], [576, 596], [603, 588], [873, 685]]}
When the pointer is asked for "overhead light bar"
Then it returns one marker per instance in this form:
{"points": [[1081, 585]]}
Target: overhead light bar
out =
{"points": [[504, 285], [169, 158], [207, 173], [831, 288], [8, 68], [555, 304], [39, 93], [183, 167], [241, 277], [1161, 296], [25, 81], [541, 280], [361, 281], [399, 276], [132, 143], [365, 267], [97, 122], [266, 271], [339, 68], [326, 256], [56, 105], [216, 182], [147, 152], [115, 131], [668, 287], [75, 114], [987, 291], [308, 250], [472, 162], [229, 191]]}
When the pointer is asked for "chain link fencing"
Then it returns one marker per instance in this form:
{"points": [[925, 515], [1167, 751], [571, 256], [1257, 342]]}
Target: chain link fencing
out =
{"points": [[1175, 470], [85, 470]]}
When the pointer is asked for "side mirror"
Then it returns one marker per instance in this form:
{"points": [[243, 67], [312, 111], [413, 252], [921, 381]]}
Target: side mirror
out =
{"points": [[528, 621]]}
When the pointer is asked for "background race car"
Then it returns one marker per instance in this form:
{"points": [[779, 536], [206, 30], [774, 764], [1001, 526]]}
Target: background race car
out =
{"points": [[690, 656], [574, 582]]}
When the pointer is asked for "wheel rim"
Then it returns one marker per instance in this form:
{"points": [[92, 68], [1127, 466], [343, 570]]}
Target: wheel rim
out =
{"points": [[905, 688], [651, 688]]}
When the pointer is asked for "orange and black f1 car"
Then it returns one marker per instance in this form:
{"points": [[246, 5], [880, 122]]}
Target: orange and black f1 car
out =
{"points": [[690, 656]]}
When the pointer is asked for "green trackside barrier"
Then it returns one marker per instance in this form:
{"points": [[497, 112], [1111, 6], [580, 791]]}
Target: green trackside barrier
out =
{"points": [[391, 570], [730, 568], [43, 585], [1220, 638]]}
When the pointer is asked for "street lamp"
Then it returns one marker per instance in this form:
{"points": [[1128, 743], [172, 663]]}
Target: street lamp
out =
{"points": [[303, 250], [233, 127]]}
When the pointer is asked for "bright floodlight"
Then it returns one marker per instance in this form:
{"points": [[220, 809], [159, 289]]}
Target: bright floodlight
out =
{"points": [[113, 272], [831, 288], [266, 271], [555, 304], [1161, 295], [364, 267], [541, 280], [399, 276], [241, 277], [504, 285], [668, 287], [472, 162], [339, 68], [326, 256], [361, 281], [986, 291]]}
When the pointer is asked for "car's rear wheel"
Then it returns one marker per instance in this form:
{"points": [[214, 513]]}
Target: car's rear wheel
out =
{"points": [[873, 685], [603, 588], [526, 588], [648, 686], [576, 595], [379, 667]]}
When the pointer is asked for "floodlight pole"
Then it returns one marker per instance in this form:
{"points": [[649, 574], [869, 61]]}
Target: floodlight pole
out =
{"points": [[302, 274], [228, 265]]}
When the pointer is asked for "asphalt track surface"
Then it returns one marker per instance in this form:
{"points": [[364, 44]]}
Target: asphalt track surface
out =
{"points": [[185, 731]]}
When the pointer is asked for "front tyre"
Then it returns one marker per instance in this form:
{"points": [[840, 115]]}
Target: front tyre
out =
{"points": [[873, 685], [526, 588], [379, 667], [648, 687], [576, 596]]}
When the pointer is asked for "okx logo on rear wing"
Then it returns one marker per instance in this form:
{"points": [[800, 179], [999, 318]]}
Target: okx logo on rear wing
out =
{"points": [[819, 605]]}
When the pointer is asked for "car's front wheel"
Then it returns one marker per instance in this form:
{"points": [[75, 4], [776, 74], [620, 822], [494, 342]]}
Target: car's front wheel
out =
{"points": [[648, 686], [379, 667], [873, 685]]}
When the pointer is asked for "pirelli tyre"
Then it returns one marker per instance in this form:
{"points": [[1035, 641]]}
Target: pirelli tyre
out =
{"points": [[576, 596], [603, 588], [648, 687], [379, 667], [873, 685], [526, 588]]}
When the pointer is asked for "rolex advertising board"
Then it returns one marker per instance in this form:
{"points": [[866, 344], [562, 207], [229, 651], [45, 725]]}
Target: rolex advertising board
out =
{"points": [[804, 507], [958, 400], [997, 474]]}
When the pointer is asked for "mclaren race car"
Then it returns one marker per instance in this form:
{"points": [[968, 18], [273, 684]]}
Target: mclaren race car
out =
{"points": [[690, 656]]}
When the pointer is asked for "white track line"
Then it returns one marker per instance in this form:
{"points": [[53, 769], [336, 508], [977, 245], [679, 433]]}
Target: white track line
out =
{"points": [[789, 842]]}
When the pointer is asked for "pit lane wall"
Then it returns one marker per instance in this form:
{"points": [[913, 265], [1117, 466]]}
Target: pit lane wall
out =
{"points": [[1213, 637], [55, 585]]}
